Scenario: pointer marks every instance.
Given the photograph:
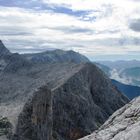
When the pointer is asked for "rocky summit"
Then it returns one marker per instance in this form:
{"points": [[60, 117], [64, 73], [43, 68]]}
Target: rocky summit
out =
{"points": [[60, 100], [124, 124], [3, 49], [11, 62]]}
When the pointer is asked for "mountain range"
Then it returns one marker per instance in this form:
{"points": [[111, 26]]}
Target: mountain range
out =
{"points": [[128, 90], [127, 72], [132, 74], [121, 64], [63, 100], [56, 56]]}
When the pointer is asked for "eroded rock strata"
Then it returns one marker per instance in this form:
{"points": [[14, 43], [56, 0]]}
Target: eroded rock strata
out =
{"points": [[35, 121]]}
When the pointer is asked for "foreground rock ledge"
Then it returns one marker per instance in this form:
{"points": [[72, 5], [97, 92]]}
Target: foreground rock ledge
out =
{"points": [[124, 124]]}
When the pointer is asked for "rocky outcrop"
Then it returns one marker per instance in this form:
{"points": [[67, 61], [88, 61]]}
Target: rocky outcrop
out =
{"points": [[124, 124], [35, 121]]}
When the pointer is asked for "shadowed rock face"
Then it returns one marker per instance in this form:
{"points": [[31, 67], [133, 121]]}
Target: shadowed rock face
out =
{"points": [[83, 103], [35, 121], [3, 50], [124, 124]]}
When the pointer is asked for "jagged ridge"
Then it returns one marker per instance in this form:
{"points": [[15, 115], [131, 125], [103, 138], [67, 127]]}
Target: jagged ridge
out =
{"points": [[56, 56]]}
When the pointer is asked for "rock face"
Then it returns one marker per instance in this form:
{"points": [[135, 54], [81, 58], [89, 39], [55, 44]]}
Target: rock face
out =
{"points": [[124, 124], [83, 103], [56, 56], [35, 121]]}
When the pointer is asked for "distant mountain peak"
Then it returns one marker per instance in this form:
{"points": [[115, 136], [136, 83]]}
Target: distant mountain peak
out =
{"points": [[57, 56], [3, 49]]}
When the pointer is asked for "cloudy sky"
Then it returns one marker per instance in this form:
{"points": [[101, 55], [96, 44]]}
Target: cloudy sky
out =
{"points": [[99, 29]]}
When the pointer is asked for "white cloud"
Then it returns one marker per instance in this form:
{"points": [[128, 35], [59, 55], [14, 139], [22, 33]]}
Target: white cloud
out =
{"points": [[108, 33], [116, 75]]}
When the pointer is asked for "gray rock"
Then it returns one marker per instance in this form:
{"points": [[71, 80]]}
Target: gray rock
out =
{"points": [[35, 121], [124, 124], [83, 103]]}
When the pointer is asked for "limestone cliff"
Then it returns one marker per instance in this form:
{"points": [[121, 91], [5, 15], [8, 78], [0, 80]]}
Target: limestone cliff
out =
{"points": [[124, 124], [35, 121]]}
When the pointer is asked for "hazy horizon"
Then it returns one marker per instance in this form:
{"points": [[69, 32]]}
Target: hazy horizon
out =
{"points": [[93, 58]]}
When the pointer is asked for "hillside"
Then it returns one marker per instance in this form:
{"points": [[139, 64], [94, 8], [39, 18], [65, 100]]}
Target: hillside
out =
{"points": [[130, 91], [104, 68], [11, 62]]}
